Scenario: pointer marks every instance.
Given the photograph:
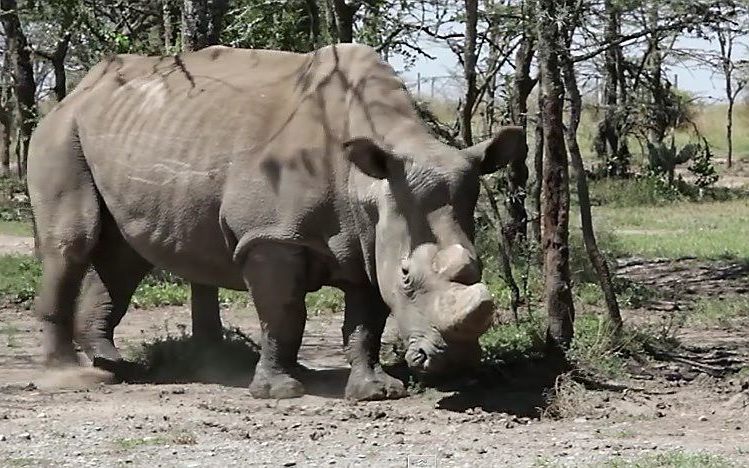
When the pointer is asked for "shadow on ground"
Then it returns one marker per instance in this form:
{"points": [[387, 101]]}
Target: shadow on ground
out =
{"points": [[182, 359], [523, 388]]}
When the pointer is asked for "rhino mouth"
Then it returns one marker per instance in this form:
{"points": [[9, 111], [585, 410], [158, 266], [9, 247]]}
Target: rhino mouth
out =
{"points": [[434, 356]]}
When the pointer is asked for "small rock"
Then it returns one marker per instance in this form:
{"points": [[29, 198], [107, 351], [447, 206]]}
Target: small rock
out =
{"points": [[41, 415], [3, 438], [482, 451], [289, 464], [25, 435], [703, 418]]}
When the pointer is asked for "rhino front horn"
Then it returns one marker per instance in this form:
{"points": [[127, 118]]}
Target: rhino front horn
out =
{"points": [[466, 313]]}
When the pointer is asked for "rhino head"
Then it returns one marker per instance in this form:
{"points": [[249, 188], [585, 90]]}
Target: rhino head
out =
{"points": [[427, 268]]}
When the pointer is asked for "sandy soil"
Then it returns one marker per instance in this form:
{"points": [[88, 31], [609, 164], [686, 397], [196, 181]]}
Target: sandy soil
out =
{"points": [[676, 406]]}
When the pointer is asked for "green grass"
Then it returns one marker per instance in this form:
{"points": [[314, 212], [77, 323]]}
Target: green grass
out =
{"points": [[711, 230], [672, 459], [16, 228], [20, 275], [721, 311], [711, 121], [19, 278], [127, 443]]}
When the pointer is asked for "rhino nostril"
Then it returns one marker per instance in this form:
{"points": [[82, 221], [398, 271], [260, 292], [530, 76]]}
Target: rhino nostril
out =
{"points": [[420, 357]]}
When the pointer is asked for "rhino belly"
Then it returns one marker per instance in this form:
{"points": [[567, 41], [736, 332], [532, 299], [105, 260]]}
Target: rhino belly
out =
{"points": [[172, 220]]}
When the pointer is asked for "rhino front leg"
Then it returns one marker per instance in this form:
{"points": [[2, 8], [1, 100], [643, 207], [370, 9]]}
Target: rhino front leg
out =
{"points": [[363, 325], [276, 276], [206, 318]]}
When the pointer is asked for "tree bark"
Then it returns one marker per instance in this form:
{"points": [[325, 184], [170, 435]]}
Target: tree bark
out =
{"points": [[538, 162], [725, 40], [469, 70], [23, 76], [729, 133], [586, 218], [344, 19], [202, 23], [658, 112], [517, 173], [555, 190], [166, 18], [57, 58], [315, 24], [5, 143], [6, 116]]}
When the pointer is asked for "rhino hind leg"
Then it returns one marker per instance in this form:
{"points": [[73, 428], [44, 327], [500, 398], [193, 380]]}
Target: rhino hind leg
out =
{"points": [[363, 325], [276, 276], [66, 214], [107, 289]]}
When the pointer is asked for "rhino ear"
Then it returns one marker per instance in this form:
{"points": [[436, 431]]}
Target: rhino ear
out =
{"points": [[495, 153], [371, 158]]}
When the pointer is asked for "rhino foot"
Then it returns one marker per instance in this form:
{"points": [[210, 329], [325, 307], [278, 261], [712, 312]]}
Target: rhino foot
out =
{"points": [[377, 385], [275, 385]]}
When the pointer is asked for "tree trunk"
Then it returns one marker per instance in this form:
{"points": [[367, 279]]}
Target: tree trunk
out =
{"points": [[729, 132], [58, 64], [166, 18], [469, 70], [517, 173], [658, 112], [315, 27], [344, 19], [555, 190], [5, 148], [586, 218], [538, 162], [202, 23], [607, 138], [23, 76]]}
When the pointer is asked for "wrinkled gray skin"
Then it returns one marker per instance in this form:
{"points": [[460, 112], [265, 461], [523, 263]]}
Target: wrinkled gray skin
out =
{"points": [[268, 171]]}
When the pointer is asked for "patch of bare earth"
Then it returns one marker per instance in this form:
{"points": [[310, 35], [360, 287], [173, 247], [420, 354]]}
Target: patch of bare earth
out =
{"points": [[195, 424]]}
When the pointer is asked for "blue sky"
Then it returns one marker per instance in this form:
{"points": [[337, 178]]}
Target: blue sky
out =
{"points": [[691, 76]]}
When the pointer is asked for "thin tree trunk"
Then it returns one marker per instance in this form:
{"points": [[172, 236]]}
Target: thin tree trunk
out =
{"points": [[504, 254], [315, 24], [23, 75], [469, 70], [5, 148], [729, 132], [583, 195], [166, 17], [517, 173], [202, 23], [555, 189], [344, 19], [538, 162]]}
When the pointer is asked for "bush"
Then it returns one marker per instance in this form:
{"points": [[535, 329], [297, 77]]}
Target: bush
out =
{"points": [[639, 191], [19, 278], [14, 203]]}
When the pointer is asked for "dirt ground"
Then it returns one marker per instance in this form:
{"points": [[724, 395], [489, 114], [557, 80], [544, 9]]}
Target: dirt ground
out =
{"points": [[679, 406]]}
